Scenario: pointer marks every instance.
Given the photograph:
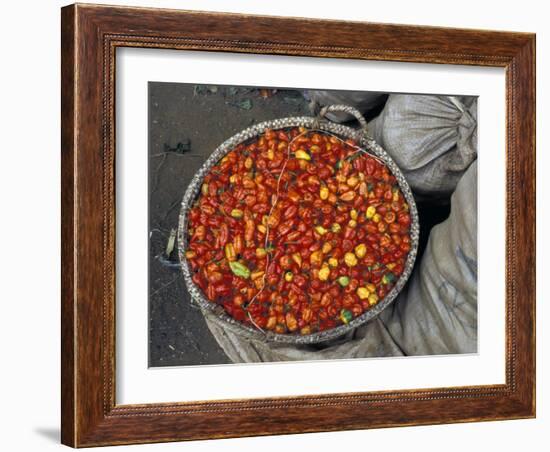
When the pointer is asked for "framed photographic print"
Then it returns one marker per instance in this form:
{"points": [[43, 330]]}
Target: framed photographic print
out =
{"points": [[269, 232]]}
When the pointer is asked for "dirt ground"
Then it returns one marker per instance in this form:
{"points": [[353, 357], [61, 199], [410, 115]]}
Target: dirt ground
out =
{"points": [[186, 123]]}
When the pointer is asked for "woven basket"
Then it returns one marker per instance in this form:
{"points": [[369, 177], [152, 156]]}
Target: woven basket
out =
{"points": [[361, 136]]}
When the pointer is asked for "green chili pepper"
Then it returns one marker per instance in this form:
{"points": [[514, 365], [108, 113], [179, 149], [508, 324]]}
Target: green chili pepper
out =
{"points": [[239, 269], [343, 281], [388, 278], [346, 316]]}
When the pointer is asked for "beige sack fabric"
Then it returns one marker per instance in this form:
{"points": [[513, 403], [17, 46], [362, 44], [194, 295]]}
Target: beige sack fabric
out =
{"points": [[433, 139]]}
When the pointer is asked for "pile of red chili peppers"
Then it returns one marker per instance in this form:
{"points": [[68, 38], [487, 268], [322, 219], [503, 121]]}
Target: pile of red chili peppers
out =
{"points": [[298, 231]]}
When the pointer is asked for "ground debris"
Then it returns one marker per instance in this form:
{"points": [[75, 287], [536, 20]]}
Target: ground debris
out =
{"points": [[165, 258], [243, 104], [203, 90], [170, 244], [266, 93], [180, 148], [235, 90]]}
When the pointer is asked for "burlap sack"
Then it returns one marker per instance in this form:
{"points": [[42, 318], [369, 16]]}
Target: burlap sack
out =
{"points": [[437, 311], [370, 341], [433, 139]]}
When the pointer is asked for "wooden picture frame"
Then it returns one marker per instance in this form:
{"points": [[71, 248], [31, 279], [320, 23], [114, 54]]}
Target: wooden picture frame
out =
{"points": [[90, 36]]}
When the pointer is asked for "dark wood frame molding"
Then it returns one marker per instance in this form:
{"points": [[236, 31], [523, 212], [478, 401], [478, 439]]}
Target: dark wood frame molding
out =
{"points": [[90, 36]]}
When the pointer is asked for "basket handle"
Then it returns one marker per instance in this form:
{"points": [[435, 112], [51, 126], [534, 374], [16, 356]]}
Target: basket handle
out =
{"points": [[346, 109]]}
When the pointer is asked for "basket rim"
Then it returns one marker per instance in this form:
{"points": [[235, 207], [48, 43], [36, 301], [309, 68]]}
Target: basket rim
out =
{"points": [[193, 190]]}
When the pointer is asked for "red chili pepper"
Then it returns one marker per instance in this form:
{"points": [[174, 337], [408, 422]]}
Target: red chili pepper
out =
{"points": [[312, 209]]}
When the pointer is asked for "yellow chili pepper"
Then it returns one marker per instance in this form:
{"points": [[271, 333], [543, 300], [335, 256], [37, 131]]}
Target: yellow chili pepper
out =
{"points": [[361, 250], [324, 273], [302, 155], [371, 210], [230, 252], [316, 257], [320, 230], [237, 213], [314, 148], [350, 259], [370, 287]]}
